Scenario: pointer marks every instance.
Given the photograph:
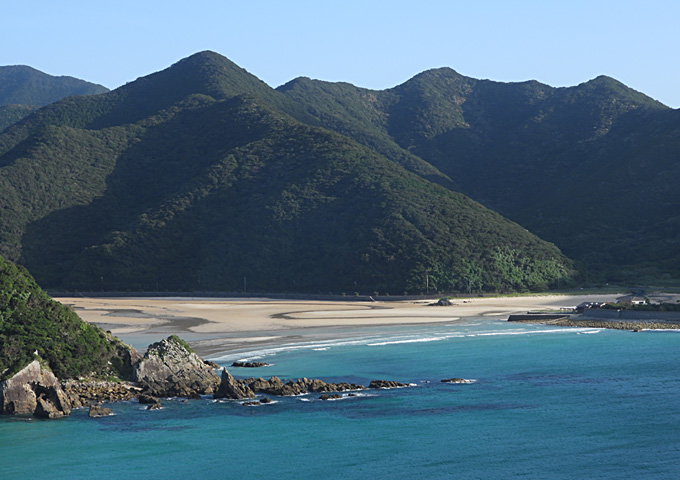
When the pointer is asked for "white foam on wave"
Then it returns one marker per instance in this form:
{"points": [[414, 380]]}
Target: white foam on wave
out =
{"points": [[464, 330], [314, 345], [409, 340], [530, 332]]}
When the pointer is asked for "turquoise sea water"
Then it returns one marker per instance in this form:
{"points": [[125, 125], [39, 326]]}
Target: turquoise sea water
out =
{"points": [[547, 403]]}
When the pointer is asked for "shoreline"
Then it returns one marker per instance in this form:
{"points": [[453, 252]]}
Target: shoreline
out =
{"points": [[222, 325]]}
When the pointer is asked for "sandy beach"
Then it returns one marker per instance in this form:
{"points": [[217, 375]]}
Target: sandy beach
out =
{"points": [[221, 324]]}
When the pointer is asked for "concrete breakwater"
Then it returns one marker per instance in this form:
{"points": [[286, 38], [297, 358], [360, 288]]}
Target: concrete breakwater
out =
{"points": [[584, 321]]}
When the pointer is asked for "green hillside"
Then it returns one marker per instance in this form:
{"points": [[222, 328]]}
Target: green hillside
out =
{"points": [[31, 321], [24, 89], [200, 175], [592, 168], [22, 85]]}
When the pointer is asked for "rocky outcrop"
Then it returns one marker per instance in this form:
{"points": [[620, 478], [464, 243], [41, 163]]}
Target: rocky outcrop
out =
{"points": [[97, 411], [457, 380], [442, 302], [169, 368], [147, 399], [232, 388], [274, 386], [249, 364], [84, 393], [330, 396], [385, 384], [34, 390]]}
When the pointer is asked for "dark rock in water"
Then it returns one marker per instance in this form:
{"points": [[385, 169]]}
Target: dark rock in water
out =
{"points": [[97, 411], [265, 400], [155, 406], [330, 396], [231, 388], [147, 399], [292, 389], [249, 364], [213, 365], [251, 404], [170, 369], [457, 380], [273, 386], [384, 384], [194, 396], [34, 390]]}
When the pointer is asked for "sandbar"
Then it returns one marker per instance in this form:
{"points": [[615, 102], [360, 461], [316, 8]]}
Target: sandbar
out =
{"points": [[219, 324]]}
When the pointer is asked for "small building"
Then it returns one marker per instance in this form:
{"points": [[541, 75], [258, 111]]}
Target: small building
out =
{"points": [[632, 299]]}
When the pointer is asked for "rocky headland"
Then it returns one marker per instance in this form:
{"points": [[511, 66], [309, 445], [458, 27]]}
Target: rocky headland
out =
{"points": [[34, 390], [171, 369]]}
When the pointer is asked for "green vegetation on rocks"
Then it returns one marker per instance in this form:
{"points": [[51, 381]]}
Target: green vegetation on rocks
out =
{"points": [[30, 321]]}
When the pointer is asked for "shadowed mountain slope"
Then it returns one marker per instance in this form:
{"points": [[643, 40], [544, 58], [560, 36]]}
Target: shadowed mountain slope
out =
{"points": [[592, 168], [198, 176]]}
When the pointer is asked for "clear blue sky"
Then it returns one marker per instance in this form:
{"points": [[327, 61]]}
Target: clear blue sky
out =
{"points": [[372, 44]]}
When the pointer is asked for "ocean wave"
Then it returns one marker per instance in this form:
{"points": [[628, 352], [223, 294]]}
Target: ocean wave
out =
{"points": [[409, 340], [530, 332], [386, 338]]}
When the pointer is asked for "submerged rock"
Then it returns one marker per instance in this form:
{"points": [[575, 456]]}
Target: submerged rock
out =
{"points": [[34, 390], [169, 368]]}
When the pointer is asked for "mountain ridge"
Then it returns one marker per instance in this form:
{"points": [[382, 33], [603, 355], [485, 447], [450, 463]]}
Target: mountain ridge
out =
{"points": [[166, 193], [516, 147]]}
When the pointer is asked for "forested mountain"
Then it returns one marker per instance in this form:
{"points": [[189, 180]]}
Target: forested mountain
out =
{"points": [[22, 85], [200, 175], [23, 89], [593, 168]]}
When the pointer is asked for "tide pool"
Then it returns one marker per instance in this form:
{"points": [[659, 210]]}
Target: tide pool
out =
{"points": [[546, 403]]}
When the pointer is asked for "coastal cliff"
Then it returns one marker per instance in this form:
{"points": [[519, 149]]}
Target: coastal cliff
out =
{"points": [[34, 390], [171, 368]]}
